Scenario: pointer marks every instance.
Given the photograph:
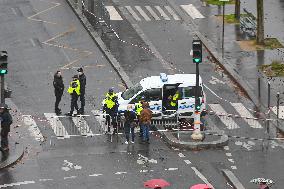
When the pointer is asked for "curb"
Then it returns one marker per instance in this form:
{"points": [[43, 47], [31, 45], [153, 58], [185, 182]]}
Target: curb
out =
{"points": [[97, 39], [13, 158], [232, 179]]}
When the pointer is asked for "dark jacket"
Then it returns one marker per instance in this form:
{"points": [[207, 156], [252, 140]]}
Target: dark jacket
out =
{"points": [[130, 116], [83, 82], [6, 120], [58, 85]]}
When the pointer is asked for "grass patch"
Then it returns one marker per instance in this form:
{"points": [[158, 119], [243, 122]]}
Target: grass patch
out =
{"points": [[275, 69], [217, 2], [230, 18], [269, 43], [272, 43]]}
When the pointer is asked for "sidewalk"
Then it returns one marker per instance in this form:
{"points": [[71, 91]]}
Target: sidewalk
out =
{"points": [[244, 63]]}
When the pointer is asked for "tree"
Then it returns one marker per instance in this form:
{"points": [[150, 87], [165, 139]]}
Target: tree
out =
{"points": [[260, 23], [237, 9]]}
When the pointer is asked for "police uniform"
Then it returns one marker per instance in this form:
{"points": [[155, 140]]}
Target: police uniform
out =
{"points": [[174, 101], [74, 91], [138, 109], [110, 107]]}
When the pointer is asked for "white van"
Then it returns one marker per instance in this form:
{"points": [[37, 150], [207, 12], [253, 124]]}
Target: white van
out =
{"points": [[157, 89]]}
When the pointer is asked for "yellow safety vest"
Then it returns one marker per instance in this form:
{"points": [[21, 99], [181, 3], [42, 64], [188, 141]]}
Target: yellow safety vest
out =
{"points": [[74, 86], [138, 108], [108, 101], [174, 100]]}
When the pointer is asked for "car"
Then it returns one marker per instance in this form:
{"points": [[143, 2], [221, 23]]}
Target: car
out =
{"points": [[156, 90]]}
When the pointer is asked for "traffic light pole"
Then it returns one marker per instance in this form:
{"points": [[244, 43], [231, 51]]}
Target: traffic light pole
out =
{"points": [[2, 89], [196, 122]]}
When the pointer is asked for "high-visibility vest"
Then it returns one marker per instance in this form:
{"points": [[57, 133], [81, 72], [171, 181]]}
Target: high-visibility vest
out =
{"points": [[74, 86], [109, 100], [174, 100], [138, 108]]}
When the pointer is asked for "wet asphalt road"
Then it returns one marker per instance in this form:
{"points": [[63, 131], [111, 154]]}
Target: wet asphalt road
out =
{"points": [[99, 162]]}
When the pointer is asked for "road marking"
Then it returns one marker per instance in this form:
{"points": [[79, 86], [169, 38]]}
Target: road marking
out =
{"points": [[229, 154], [192, 11], [202, 177], [171, 169], [17, 184], [162, 13], [231, 160], [152, 12], [187, 162], [82, 126], [71, 177], [228, 121], [142, 13], [56, 125], [44, 180], [181, 155], [281, 111], [133, 13], [120, 173], [95, 175], [114, 15], [215, 80], [33, 128], [226, 148], [172, 12], [241, 109], [234, 167]]}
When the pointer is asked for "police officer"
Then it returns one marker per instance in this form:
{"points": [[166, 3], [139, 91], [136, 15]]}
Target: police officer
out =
{"points": [[6, 121], [174, 100], [82, 79], [74, 91], [58, 90], [138, 109], [110, 107]]}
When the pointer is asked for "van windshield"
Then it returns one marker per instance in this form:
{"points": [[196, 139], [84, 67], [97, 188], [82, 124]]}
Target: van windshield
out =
{"points": [[189, 92], [129, 93]]}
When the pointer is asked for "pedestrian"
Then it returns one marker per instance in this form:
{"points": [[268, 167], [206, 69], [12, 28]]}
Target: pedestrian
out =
{"points": [[82, 79], [129, 124], [58, 90], [74, 91], [110, 106], [6, 121], [145, 120], [138, 109]]}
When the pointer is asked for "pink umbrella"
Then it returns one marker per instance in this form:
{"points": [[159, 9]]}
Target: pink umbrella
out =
{"points": [[156, 183], [201, 186]]}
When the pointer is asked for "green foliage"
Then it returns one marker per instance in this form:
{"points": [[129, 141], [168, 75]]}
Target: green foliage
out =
{"points": [[272, 43], [275, 69], [217, 2]]}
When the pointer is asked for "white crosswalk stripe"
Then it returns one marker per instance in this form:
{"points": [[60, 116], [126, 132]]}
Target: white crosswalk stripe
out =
{"points": [[241, 109], [281, 111], [33, 128], [152, 12], [133, 13], [192, 11], [82, 126], [171, 11], [142, 13], [162, 13], [56, 125], [227, 121], [114, 15]]}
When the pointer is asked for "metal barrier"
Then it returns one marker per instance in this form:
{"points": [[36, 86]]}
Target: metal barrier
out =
{"points": [[248, 23]]}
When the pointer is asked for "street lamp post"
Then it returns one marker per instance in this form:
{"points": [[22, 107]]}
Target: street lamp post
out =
{"points": [[223, 27]]}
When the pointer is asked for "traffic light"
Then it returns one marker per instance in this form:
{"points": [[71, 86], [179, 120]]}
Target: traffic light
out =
{"points": [[3, 62], [198, 104], [197, 51]]}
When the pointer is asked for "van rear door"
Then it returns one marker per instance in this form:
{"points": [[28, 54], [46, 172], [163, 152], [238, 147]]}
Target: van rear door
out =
{"points": [[168, 90], [187, 103]]}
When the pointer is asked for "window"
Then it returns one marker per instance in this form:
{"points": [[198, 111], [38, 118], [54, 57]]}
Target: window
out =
{"points": [[149, 95], [190, 92], [129, 93]]}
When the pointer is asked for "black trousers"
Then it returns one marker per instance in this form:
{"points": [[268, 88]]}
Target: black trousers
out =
{"points": [[4, 138], [111, 119], [57, 100], [74, 104], [82, 99]]}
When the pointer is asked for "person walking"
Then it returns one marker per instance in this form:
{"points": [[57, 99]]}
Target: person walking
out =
{"points": [[145, 120], [82, 79], [58, 90], [138, 109], [74, 91], [129, 124], [110, 108], [6, 121]]}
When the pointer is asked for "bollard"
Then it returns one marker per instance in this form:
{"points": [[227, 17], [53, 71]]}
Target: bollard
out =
{"points": [[278, 102], [268, 101]]}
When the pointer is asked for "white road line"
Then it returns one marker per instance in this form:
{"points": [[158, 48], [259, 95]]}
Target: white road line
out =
{"points": [[226, 148], [16, 184], [229, 154], [56, 125], [33, 128], [133, 13], [231, 160], [202, 177], [95, 175], [120, 173], [187, 161], [162, 13], [32, 41], [281, 111], [192, 11], [181, 155], [82, 126], [152, 12], [241, 109], [71, 177], [228, 121], [171, 169], [142, 13], [114, 15], [14, 11], [172, 12], [234, 167]]}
